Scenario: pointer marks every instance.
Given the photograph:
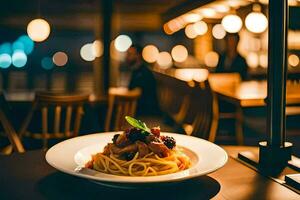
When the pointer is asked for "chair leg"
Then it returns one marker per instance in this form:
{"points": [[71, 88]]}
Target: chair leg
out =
{"points": [[45, 143], [239, 126], [45, 126]]}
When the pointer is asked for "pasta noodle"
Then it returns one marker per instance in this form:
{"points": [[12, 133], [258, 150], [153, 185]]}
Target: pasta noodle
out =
{"points": [[149, 165], [140, 151]]}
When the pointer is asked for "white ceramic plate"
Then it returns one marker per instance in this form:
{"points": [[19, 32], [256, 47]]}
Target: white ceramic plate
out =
{"points": [[71, 155]]}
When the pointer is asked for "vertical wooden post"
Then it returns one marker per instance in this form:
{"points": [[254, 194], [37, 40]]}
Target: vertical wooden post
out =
{"points": [[276, 152], [277, 72], [107, 9], [97, 67]]}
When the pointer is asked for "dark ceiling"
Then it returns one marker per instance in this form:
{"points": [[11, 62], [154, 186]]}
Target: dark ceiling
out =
{"points": [[81, 14]]}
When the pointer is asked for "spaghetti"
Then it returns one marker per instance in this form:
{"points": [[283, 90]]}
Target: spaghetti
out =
{"points": [[136, 153], [150, 165]]}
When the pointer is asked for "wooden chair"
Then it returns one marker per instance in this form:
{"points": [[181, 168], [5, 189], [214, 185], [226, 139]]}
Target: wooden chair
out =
{"points": [[167, 94], [228, 79], [186, 80], [16, 144], [197, 112], [227, 110], [203, 111], [121, 102], [164, 91], [48, 101]]}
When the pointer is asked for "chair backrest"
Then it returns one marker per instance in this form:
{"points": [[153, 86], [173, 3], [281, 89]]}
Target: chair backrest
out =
{"points": [[170, 88], [121, 102], [72, 104], [205, 105], [8, 128], [198, 112], [163, 91]]}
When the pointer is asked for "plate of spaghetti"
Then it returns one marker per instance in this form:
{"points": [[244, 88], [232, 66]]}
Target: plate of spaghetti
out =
{"points": [[136, 156]]}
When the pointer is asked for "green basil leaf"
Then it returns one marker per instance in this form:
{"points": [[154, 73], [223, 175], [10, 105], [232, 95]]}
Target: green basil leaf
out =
{"points": [[137, 124]]}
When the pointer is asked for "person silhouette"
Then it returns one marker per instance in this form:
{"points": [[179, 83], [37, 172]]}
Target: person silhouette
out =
{"points": [[231, 60], [143, 78]]}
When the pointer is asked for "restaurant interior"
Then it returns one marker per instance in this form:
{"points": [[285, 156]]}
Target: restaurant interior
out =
{"points": [[201, 68]]}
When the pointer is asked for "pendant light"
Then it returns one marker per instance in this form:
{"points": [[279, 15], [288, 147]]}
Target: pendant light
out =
{"points": [[232, 23], [38, 29], [256, 21]]}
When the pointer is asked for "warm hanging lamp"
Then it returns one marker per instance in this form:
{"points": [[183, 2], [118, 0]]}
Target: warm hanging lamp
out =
{"points": [[232, 23], [38, 29], [256, 21]]}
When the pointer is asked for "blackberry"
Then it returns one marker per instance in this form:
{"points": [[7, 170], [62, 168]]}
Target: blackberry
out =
{"points": [[135, 134], [115, 138], [169, 141], [128, 156]]}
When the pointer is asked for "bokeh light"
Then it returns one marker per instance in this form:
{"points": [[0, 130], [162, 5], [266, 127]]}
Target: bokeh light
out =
{"points": [[60, 58], [5, 60], [191, 17], [252, 60], [200, 75], [200, 27], [254, 44], [87, 52], [211, 59], [232, 23], [184, 74], [17, 45], [150, 53], [38, 30], [97, 48], [174, 25], [122, 43], [19, 59], [179, 53], [167, 29], [164, 60], [27, 43], [218, 31], [256, 22], [208, 12], [5, 48], [233, 3], [263, 60], [188, 129], [190, 31], [47, 63], [114, 54], [188, 75], [221, 8], [293, 60], [264, 1]]}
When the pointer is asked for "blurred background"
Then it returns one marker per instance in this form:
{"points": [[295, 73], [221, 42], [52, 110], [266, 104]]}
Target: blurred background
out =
{"points": [[71, 46], [81, 46]]}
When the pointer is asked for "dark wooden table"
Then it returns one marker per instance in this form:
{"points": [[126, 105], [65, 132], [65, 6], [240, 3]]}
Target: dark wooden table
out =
{"points": [[28, 176], [252, 94]]}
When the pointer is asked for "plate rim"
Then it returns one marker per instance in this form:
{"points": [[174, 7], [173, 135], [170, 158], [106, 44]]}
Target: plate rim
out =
{"points": [[127, 181]]}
